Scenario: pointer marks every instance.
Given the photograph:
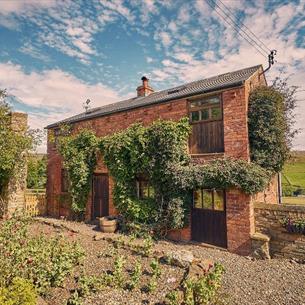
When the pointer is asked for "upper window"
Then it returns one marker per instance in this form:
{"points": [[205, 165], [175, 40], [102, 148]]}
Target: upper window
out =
{"points": [[144, 189], [206, 109], [209, 199]]}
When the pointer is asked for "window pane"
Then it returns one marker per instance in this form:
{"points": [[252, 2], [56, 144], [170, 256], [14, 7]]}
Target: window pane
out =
{"points": [[213, 100], [204, 114], [197, 199], [219, 200], [195, 104], [216, 113], [207, 199], [194, 116]]}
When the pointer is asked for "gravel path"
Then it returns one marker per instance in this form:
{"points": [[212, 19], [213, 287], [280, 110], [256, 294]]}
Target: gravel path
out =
{"points": [[258, 282]]}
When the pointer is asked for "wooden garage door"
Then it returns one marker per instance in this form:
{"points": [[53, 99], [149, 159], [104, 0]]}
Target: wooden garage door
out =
{"points": [[209, 217]]}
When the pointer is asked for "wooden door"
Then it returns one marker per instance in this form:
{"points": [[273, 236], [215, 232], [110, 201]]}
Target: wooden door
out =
{"points": [[100, 192], [207, 137], [209, 221]]}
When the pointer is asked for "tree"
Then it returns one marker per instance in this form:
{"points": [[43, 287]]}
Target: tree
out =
{"points": [[37, 172], [271, 120], [13, 145]]}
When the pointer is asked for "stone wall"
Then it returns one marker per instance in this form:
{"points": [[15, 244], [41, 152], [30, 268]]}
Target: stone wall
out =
{"points": [[14, 194], [282, 243]]}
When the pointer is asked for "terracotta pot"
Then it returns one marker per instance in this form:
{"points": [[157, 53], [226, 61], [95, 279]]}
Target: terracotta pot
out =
{"points": [[108, 224]]}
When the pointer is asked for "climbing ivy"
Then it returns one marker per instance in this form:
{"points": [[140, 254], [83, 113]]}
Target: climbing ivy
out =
{"points": [[159, 152], [149, 152], [221, 174], [79, 153]]}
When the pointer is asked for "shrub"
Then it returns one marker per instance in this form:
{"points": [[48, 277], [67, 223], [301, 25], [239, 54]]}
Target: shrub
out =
{"points": [[44, 261], [294, 225], [19, 292], [135, 276], [271, 125], [203, 290], [155, 275]]}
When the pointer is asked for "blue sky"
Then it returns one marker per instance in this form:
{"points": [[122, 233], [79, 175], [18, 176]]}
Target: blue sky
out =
{"points": [[56, 54]]}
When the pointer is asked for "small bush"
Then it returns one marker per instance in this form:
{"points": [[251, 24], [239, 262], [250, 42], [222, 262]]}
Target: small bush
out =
{"points": [[204, 289], [44, 261], [19, 292], [135, 276], [155, 275]]}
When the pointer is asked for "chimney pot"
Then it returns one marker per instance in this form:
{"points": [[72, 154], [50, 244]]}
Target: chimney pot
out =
{"points": [[145, 89]]}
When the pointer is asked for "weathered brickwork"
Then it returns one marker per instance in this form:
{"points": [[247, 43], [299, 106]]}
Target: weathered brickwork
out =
{"points": [[240, 223], [282, 243]]}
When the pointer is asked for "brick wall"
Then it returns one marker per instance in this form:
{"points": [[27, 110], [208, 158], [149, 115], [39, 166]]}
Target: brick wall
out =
{"points": [[282, 243], [236, 144]]}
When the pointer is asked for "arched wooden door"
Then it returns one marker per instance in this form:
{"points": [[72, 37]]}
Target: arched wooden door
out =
{"points": [[100, 195]]}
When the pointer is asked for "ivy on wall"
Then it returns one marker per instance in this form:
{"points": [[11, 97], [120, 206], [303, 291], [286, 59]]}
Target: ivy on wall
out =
{"points": [[149, 152], [159, 153], [79, 153]]}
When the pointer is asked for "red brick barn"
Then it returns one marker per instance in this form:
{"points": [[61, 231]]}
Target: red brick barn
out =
{"points": [[217, 109]]}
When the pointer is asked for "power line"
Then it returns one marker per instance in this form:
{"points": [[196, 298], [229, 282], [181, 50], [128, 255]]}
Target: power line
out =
{"points": [[259, 40], [230, 24], [237, 25]]}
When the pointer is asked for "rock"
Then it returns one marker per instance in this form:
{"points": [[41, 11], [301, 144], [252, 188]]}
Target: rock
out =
{"points": [[97, 237], [171, 280], [260, 246], [198, 269], [181, 258]]}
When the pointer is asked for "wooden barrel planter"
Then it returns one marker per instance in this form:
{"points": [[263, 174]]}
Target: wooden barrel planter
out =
{"points": [[108, 224]]}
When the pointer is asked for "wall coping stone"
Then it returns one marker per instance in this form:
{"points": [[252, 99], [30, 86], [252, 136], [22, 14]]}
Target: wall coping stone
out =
{"points": [[279, 207], [260, 236]]}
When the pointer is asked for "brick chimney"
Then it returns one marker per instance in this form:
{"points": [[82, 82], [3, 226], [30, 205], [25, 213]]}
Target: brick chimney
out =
{"points": [[145, 89]]}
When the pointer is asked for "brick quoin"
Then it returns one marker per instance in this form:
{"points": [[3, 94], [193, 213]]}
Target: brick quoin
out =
{"points": [[239, 206]]}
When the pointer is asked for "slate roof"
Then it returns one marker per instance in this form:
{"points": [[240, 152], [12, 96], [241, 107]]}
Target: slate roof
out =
{"points": [[210, 84]]}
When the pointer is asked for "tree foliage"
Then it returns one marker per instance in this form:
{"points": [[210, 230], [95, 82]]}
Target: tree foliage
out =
{"points": [[271, 120], [36, 172], [13, 145]]}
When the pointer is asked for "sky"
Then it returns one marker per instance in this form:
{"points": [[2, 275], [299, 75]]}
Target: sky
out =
{"points": [[54, 55]]}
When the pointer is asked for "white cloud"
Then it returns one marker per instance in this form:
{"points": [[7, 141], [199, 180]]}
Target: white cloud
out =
{"points": [[209, 55], [53, 94], [183, 56], [165, 38], [149, 59], [20, 6]]}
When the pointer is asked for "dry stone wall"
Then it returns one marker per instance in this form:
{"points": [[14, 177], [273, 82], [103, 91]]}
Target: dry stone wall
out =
{"points": [[282, 243]]}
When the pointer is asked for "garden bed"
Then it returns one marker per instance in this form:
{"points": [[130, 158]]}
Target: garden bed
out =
{"points": [[245, 281]]}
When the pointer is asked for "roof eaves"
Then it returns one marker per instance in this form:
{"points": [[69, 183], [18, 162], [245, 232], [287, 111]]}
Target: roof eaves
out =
{"points": [[217, 88]]}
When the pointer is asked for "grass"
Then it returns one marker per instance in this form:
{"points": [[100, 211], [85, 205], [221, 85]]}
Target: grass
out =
{"points": [[294, 200], [294, 170]]}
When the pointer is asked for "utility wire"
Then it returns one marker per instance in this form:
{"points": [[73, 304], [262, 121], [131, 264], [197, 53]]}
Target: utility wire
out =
{"points": [[230, 24], [259, 40], [237, 25]]}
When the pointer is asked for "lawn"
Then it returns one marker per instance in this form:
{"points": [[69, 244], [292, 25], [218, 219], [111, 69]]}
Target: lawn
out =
{"points": [[293, 175], [294, 200]]}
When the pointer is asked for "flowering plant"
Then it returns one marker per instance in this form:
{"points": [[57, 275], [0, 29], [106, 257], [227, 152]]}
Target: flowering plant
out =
{"points": [[294, 225]]}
